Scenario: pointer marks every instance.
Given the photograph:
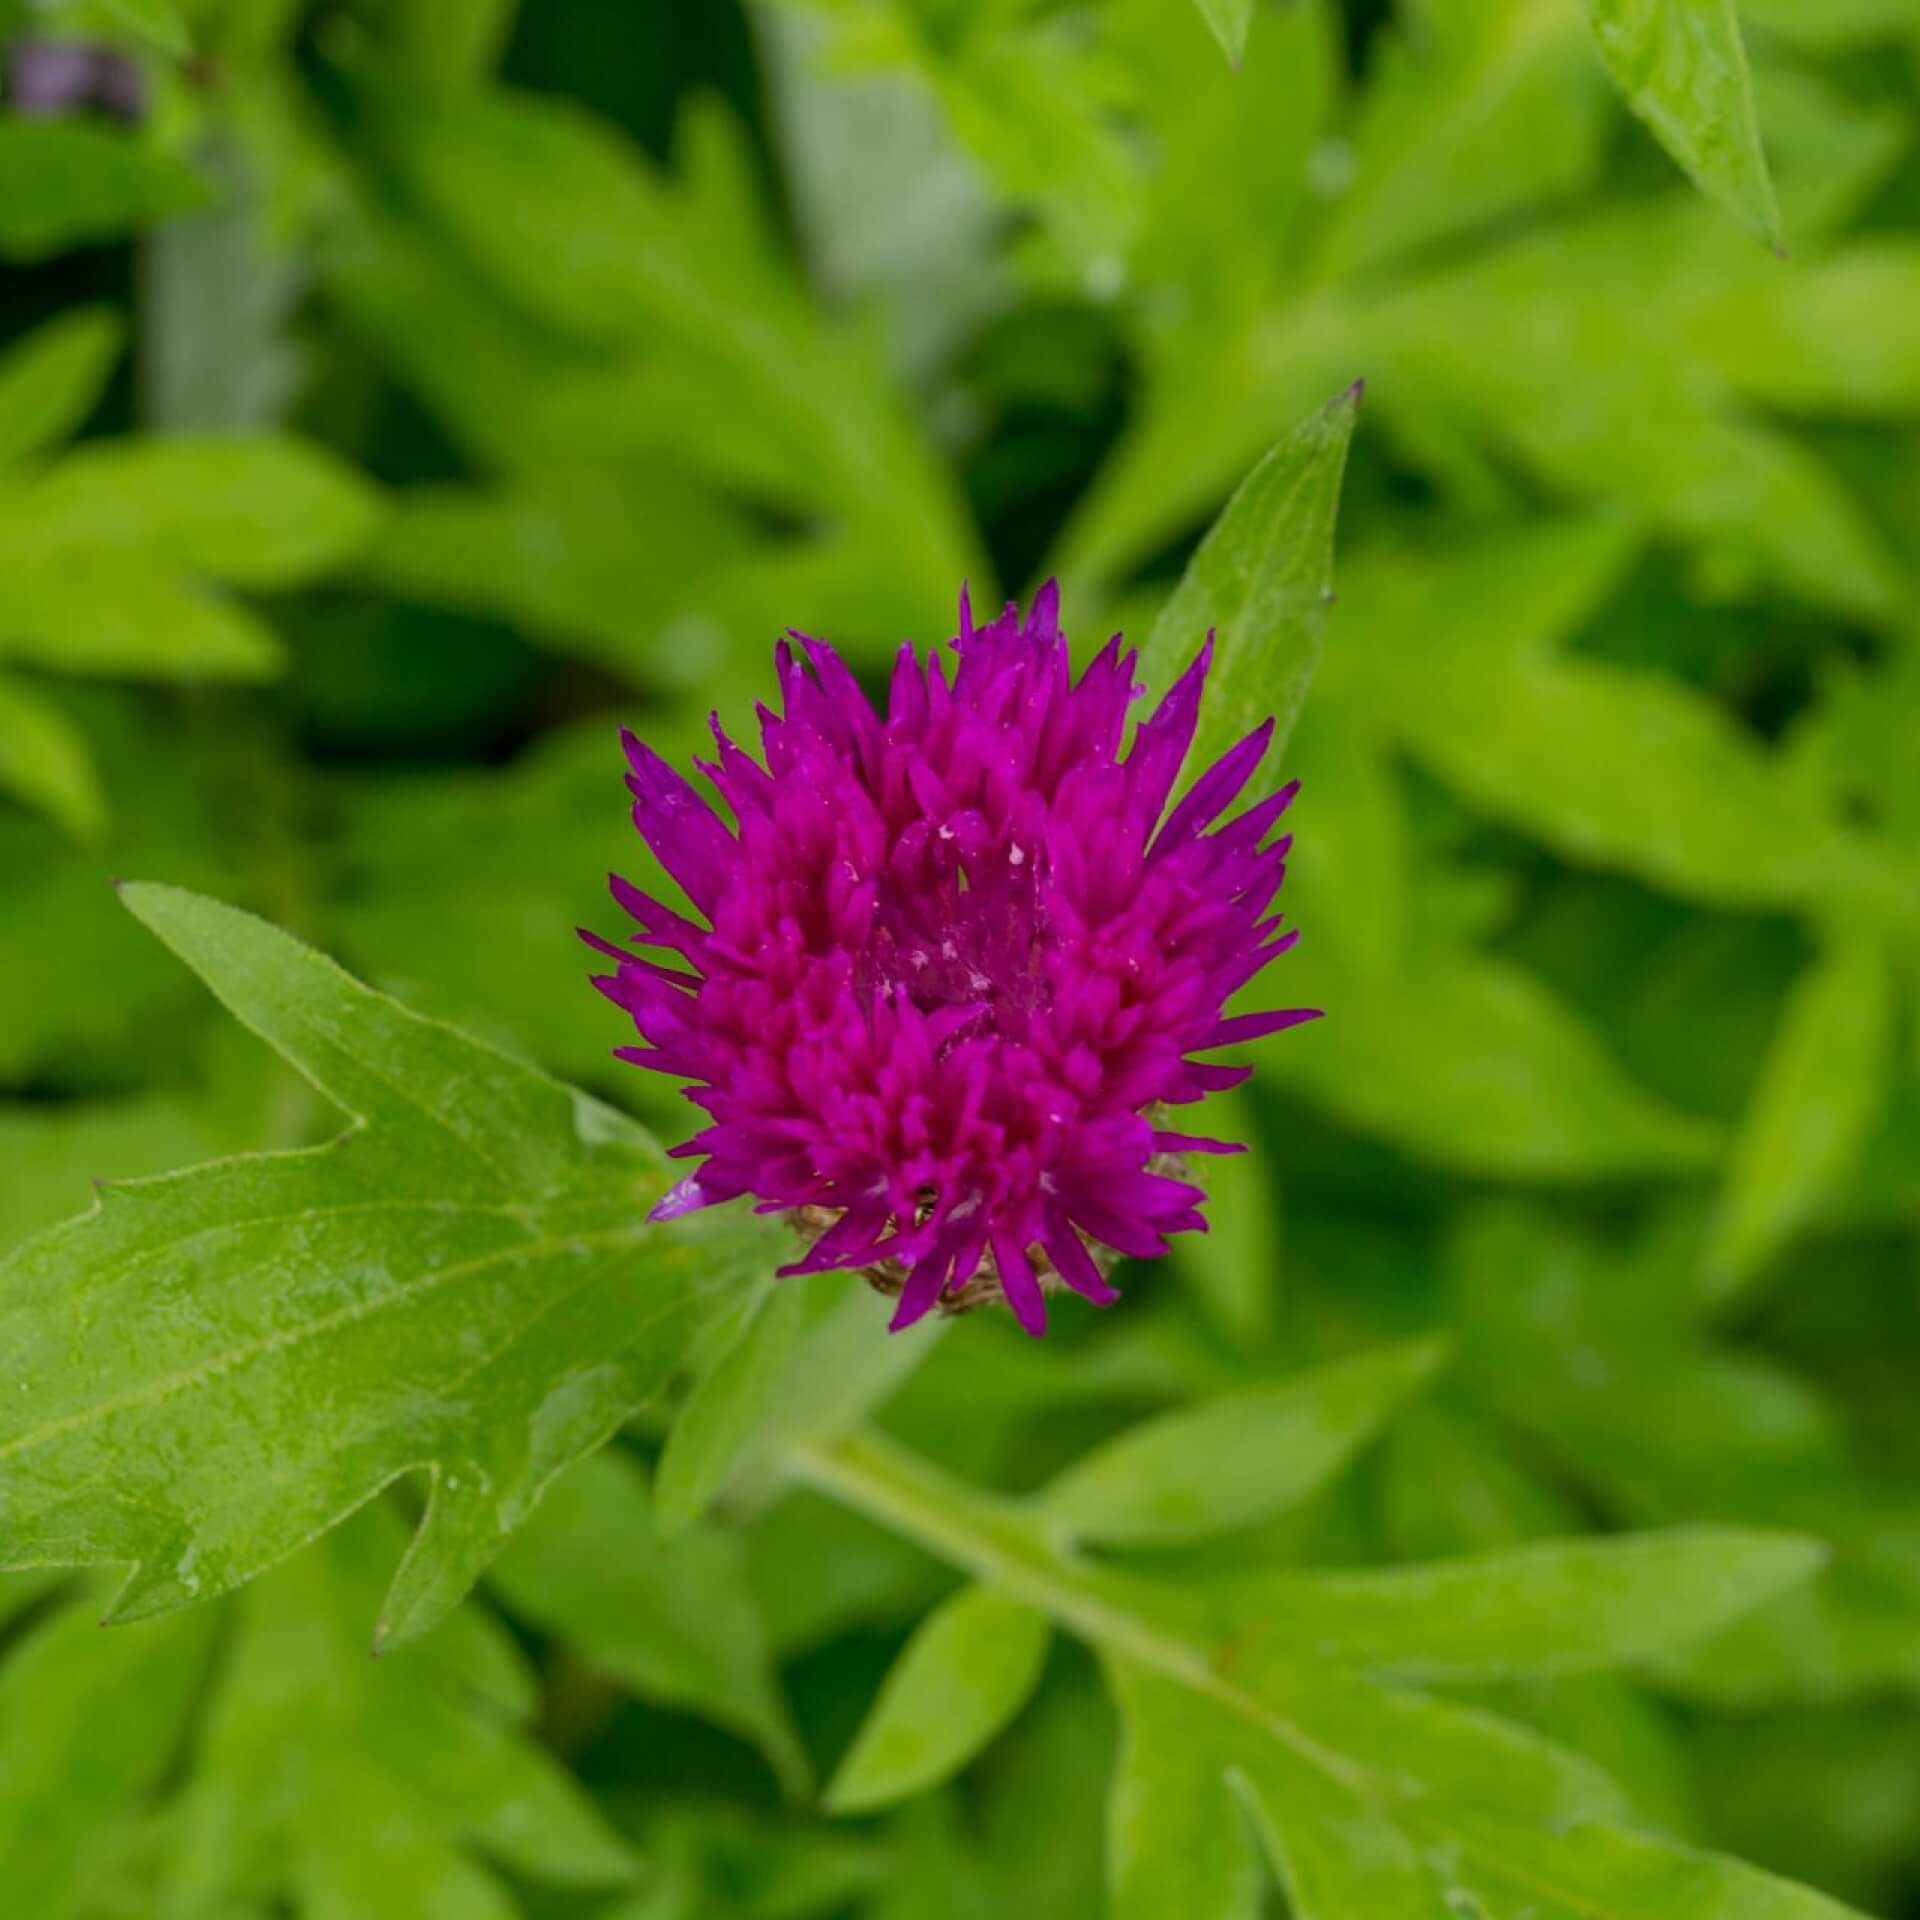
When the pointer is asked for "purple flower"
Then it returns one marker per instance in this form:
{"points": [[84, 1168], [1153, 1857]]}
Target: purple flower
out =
{"points": [[956, 962], [53, 78]]}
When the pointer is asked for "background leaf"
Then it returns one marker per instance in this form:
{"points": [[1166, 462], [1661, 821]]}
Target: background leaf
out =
{"points": [[44, 761], [1818, 1094], [397, 406], [87, 183], [1683, 69], [1229, 21], [1238, 1458], [968, 1669], [473, 1187], [674, 1621]]}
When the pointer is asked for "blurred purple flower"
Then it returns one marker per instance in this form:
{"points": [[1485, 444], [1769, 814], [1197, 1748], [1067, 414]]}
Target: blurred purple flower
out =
{"points": [[48, 79], [956, 964]]}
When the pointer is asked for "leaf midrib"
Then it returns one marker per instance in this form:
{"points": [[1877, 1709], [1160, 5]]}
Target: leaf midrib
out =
{"points": [[886, 1483], [153, 1393]]}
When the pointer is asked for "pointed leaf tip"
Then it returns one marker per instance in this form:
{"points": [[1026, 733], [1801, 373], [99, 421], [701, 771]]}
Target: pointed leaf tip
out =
{"points": [[1682, 69], [1261, 577], [1230, 21]]}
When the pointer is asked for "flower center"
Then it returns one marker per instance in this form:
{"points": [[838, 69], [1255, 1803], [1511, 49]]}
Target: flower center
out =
{"points": [[974, 939]]}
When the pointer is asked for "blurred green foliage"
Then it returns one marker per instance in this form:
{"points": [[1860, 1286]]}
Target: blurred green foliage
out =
{"points": [[408, 392]]}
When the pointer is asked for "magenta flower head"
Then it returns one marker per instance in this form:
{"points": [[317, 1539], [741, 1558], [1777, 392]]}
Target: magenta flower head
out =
{"points": [[958, 959]]}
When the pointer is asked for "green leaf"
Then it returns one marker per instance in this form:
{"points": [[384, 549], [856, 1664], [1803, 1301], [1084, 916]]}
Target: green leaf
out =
{"points": [[67, 182], [1838, 25], [1562, 1607], [54, 1157], [444, 42], [674, 1622], [1452, 101], [51, 380], [1374, 1801], [1470, 1062], [1466, 665], [1594, 390], [58, 900], [464, 1284], [1230, 21], [771, 1867], [719, 359], [1825, 338], [102, 550], [1237, 1459], [396, 1865], [724, 1408], [1262, 581], [455, 893], [610, 565], [152, 23], [430, 1752], [260, 511], [1821, 1087], [971, 1666], [844, 1367], [1683, 70], [44, 761], [130, 618], [1610, 1871], [1175, 1841], [88, 1725], [157, 22], [1334, 1854]]}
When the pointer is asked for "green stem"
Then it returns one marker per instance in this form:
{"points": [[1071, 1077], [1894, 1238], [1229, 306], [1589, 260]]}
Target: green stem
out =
{"points": [[1009, 1544], [1002, 1541]]}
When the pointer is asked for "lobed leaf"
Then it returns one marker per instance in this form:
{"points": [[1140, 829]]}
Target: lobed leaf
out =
{"points": [[1175, 1841], [218, 1364], [1371, 1801]]}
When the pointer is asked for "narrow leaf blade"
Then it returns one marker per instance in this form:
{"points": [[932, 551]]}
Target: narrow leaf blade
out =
{"points": [[1238, 1459], [1683, 68], [967, 1671], [1556, 1608], [45, 762], [1229, 21], [1820, 1088], [50, 381], [723, 1410], [1262, 580]]}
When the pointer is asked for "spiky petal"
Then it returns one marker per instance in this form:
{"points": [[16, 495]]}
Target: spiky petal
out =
{"points": [[958, 956]]}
